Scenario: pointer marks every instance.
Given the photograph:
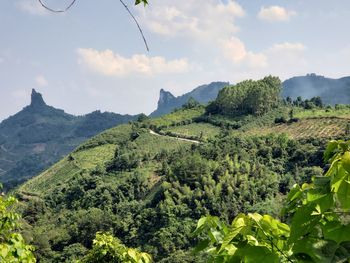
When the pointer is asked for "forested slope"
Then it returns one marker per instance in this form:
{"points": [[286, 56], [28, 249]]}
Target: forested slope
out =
{"points": [[150, 190]]}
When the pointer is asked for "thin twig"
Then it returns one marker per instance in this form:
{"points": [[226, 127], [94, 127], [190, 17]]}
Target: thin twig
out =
{"points": [[137, 23], [57, 11], [126, 7]]}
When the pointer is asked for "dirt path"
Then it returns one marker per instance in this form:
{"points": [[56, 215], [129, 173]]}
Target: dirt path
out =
{"points": [[176, 138]]}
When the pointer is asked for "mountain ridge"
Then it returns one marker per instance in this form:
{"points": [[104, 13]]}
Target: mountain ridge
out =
{"points": [[203, 94], [331, 90], [39, 135]]}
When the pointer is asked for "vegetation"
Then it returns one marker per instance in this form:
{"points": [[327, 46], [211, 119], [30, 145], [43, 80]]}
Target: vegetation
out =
{"points": [[145, 190], [12, 245], [317, 213], [152, 202], [248, 97], [109, 249], [39, 135]]}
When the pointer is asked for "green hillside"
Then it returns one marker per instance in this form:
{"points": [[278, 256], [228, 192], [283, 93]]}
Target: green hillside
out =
{"points": [[40, 135], [147, 184]]}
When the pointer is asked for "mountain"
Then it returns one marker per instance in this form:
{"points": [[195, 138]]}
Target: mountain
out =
{"points": [[147, 183], [39, 135], [203, 94], [331, 91]]}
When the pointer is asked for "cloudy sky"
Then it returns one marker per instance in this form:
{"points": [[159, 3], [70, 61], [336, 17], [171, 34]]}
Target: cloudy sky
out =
{"points": [[93, 56]]}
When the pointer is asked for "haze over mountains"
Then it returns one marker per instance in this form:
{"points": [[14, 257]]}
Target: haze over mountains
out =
{"points": [[331, 91]]}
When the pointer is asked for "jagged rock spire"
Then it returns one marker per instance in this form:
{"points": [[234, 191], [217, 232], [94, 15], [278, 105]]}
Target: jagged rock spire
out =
{"points": [[164, 97], [37, 99]]}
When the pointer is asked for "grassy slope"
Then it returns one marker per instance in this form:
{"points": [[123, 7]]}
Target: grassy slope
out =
{"points": [[100, 149], [195, 129], [313, 127]]}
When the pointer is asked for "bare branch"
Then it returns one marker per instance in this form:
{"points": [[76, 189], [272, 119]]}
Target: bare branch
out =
{"points": [[57, 11], [137, 23], [126, 7]]}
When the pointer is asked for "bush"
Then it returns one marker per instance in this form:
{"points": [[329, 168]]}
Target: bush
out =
{"points": [[280, 120]]}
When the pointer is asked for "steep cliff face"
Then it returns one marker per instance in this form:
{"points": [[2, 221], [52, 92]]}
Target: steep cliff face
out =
{"points": [[40, 135], [331, 91], [168, 102]]}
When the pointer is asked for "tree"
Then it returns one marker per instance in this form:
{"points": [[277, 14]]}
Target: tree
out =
{"points": [[318, 228], [12, 245], [109, 249], [248, 97]]}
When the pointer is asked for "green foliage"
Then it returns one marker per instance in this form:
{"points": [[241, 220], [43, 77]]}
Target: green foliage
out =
{"points": [[154, 200], [248, 97], [317, 213], [39, 135], [12, 245], [191, 104], [145, 2], [109, 249]]}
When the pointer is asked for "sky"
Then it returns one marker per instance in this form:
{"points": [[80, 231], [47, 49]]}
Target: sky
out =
{"points": [[93, 57]]}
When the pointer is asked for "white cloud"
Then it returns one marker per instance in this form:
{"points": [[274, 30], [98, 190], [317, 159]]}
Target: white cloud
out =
{"points": [[112, 64], [291, 47], [32, 7], [41, 81], [275, 13], [210, 18], [2, 60], [235, 50]]}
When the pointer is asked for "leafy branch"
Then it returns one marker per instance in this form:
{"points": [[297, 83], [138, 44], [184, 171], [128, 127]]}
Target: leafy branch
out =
{"points": [[317, 231]]}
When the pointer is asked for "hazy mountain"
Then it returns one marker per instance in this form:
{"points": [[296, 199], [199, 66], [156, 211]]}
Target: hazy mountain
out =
{"points": [[203, 94], [332, 91], [39, 135]]}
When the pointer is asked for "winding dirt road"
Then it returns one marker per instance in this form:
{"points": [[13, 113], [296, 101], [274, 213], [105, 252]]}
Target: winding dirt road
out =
{"points": [[176, 138]]}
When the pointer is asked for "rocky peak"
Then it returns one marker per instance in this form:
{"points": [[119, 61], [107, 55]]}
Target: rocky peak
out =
{"points": [[37, 99], [165, 97]]}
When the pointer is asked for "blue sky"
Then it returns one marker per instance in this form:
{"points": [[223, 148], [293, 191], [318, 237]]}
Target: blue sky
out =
{"points": [[93, 56]]}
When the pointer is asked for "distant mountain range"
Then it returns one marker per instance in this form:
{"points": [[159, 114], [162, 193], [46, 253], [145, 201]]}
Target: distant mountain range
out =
{"points": [[39, 135], [331, 91], [168, 102]]}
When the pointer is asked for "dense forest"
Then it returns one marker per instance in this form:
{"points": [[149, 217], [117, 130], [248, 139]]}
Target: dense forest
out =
{"points": [[129, 190]]}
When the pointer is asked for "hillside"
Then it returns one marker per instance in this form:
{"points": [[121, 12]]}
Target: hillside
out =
{"points": [[203, 94], [39, 135], [147, 185], [331, 91], [154, 177]]}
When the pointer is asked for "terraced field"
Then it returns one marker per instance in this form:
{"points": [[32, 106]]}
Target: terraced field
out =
{"points": [[324, 127], [67, 168], [337, 113]]}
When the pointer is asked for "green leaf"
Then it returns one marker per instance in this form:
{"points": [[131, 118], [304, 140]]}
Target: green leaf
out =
{"points": [[294, 193], [330, 150], [303, 222], [254, 254], [320, 251], [336, 232], [145, 2], [232, 233], [202, 245], [343, 193]]}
